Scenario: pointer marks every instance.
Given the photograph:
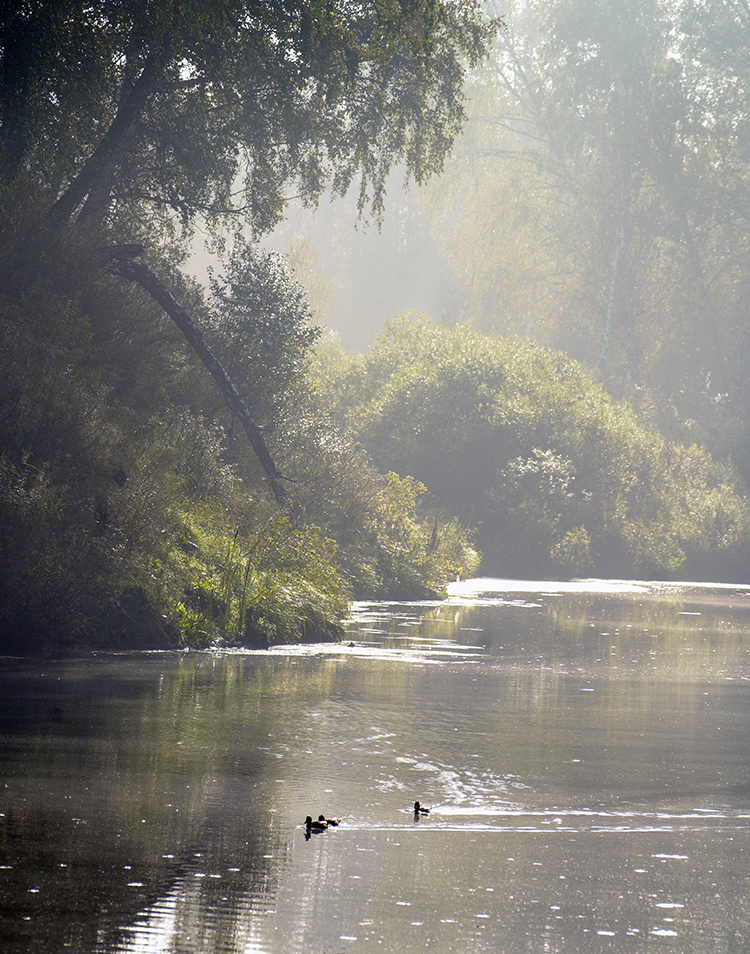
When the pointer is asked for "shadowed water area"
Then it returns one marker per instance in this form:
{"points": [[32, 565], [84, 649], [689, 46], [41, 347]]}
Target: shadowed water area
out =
{"points": [[584, 749]]}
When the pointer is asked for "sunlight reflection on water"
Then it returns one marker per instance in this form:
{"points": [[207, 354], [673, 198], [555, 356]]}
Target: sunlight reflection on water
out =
{"points": [[582, 747]]}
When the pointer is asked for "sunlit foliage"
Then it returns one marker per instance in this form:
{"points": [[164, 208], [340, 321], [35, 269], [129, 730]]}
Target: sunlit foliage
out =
{"points": [[522, 442]]}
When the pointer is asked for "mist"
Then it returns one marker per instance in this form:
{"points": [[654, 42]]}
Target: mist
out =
{"points": [[358, 272]]}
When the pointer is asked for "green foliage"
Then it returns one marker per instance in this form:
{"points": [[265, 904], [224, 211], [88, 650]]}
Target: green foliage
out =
{"points": [[168, 107], [261, 328], [572, 554], [126, 517], [413, 554], [520, 442], [103, 457], [388, 543], [257, 583]]}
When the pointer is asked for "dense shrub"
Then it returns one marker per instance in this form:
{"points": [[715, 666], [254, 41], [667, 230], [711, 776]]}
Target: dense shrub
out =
{"points": [[388, 544], [522, 443]]}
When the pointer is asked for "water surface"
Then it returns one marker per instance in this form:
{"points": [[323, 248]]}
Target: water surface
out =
{"points": [[584, 749]]}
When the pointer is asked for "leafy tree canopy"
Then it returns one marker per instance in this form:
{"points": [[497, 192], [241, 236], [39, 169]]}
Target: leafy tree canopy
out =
{"points": [[121, 109]]}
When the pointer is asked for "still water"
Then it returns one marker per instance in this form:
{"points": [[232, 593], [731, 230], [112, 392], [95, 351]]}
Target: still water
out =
{"points": [[584, 749]]}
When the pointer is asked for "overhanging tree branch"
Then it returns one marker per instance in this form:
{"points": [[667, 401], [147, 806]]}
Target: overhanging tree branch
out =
{"points": [[122, 256]]}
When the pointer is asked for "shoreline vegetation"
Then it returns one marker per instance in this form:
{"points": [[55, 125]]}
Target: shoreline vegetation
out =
{"points": [[134, 518], [134, 511]]}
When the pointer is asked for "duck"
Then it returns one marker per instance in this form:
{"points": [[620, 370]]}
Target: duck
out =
{"points": [[319, 825], [419, 810], [330, 822]]}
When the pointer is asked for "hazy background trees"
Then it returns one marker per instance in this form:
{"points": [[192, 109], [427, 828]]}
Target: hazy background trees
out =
{"points": [[597, 200], [627, 210]]}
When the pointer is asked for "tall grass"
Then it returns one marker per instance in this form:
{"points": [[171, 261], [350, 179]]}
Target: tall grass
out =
{"points": [[261, 585]]}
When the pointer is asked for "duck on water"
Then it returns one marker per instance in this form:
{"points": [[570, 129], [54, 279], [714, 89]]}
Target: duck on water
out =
{"points": [[315, 826]]}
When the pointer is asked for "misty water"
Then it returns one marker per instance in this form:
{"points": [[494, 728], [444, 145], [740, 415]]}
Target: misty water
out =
{"points": [[584, 749]]}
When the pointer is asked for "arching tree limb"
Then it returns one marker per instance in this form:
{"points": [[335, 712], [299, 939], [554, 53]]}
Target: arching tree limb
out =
{"points": [[122, 256]]}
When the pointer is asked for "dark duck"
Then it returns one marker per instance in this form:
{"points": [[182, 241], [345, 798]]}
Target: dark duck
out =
{"points": [[419, 810]]}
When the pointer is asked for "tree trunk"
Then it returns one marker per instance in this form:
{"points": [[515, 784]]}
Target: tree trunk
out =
{"points": [[129, 109], [143, 275]]}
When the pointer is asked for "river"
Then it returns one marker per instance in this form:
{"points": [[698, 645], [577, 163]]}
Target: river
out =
{"points": [[584, 749]]}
